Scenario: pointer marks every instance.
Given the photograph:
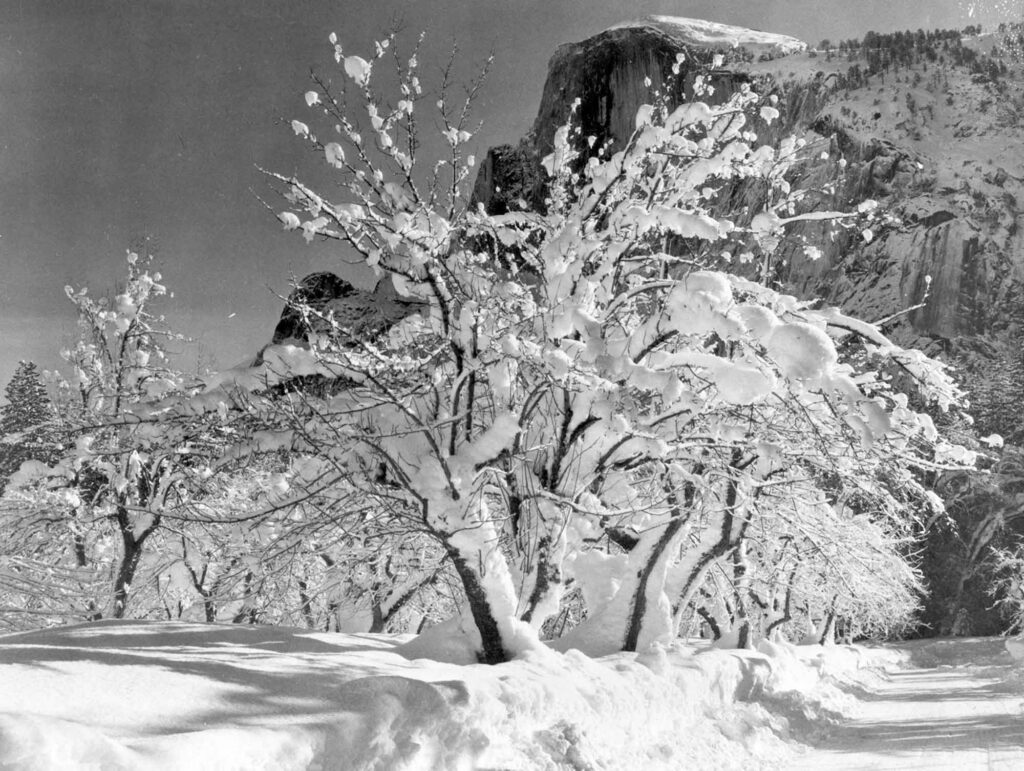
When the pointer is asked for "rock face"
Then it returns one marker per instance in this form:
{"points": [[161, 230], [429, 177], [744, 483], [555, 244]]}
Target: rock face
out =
{"points": [[611, 75], [316, 290], [936, 144], [359, 315]]}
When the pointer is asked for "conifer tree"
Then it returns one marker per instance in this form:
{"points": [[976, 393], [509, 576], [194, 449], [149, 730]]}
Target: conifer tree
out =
{"points": [[27, 402], [26, 421]]}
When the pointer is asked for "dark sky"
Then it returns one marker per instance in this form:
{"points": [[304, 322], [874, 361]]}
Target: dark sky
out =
{"points": [[131, 119]]}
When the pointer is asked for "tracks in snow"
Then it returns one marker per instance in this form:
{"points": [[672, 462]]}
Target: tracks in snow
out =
{"points": [[953, 713]]}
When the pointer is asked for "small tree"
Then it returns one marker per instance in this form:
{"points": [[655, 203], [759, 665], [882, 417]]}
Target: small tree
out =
{"points": [[123, 468]]}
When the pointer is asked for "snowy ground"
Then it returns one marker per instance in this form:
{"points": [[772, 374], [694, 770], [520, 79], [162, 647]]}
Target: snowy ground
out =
{"points": [[961, 705], [135, 695]]}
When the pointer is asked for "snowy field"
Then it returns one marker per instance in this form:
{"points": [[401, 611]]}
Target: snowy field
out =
{"points": [[139, 695]]}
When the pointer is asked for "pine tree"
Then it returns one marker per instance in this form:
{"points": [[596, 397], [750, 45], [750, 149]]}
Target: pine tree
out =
{"points": [[27, 430], [27, 402]]}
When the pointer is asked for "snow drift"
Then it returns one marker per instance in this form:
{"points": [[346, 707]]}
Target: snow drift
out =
{"points": [[140, 695]]}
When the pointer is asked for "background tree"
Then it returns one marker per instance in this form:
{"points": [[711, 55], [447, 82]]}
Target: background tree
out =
{"points": [[27, 422], [985, 506]]}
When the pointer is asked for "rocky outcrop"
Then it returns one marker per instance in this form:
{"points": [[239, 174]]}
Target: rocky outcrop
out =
{"points": [[615, 72], [611, 75], [324, 304], [510, 178], [316, 291]]}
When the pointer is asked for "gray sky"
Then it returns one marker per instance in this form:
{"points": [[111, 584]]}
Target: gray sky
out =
{"points": [[125, 119]]}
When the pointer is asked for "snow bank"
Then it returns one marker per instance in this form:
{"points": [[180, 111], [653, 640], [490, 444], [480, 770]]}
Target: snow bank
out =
{"points": [[137, 695]]}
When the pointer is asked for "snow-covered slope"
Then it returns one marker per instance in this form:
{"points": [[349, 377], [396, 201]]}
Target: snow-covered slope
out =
{"points": [[138, 695]]}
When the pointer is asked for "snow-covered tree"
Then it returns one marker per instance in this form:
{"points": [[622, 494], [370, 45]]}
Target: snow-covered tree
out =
{"points": [[1007, 589], [145, 513], [804, 575], [123, 468], [575, 384]]}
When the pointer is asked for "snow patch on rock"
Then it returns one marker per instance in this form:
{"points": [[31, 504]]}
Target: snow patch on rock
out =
{"points": [[711, 34]]}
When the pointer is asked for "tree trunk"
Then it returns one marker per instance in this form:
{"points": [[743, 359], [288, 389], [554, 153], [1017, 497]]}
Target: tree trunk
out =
{"points": [[741, 583], [716, 631], [492, 646], [332, 604], [646, 593], [130, 558], [548, 581], [471, 541], [306, 603], [646, 596], [722, 534], [384, 611], [828, 634], [126, 573], [82, 561], [376, 614], [209, 609], [787, 607], [712, 546]]}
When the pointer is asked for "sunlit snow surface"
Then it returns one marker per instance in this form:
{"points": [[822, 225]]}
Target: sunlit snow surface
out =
{"points": [[141, 695], [711, 34]]}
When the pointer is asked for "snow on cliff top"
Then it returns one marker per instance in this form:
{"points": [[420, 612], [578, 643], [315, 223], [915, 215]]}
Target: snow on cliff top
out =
{"points": [[711, 34]]}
